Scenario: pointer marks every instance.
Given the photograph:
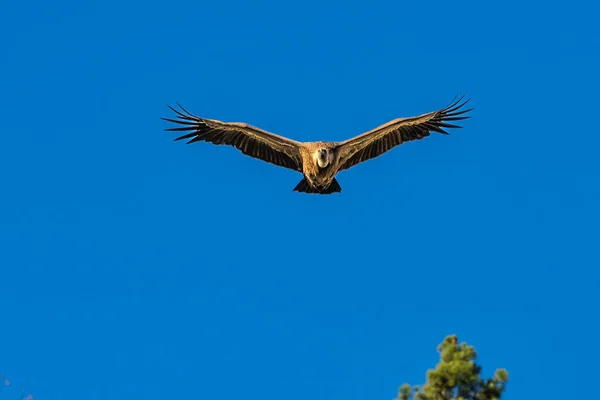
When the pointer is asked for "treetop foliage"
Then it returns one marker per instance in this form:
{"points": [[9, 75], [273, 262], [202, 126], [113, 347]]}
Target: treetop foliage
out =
{"points": [[456, 377]]}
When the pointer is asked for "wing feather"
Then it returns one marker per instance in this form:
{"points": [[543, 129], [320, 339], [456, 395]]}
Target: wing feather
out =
{"points": [[249, 139], [377, 141]]}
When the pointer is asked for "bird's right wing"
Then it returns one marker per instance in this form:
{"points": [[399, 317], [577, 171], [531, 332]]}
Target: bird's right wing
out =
{"points": [[377, 141], [250, 140]]}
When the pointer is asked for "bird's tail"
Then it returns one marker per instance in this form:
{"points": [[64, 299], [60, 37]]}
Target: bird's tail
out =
{"points": [[304, 187]]}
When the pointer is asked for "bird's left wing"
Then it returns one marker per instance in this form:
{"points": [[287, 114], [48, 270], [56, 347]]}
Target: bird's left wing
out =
{"points": [[383, 138], [249, 139]]}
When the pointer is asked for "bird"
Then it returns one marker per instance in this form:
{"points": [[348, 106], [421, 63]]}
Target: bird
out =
{"points": [[321, 161]]}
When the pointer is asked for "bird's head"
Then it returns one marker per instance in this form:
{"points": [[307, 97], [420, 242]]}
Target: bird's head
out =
{"points": [[323, 157]]}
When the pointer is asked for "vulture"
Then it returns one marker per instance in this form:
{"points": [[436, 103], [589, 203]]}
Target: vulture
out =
{"points": [[319, 162]]}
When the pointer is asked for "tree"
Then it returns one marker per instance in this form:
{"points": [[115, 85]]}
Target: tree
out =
{"points": [[457, 377]]}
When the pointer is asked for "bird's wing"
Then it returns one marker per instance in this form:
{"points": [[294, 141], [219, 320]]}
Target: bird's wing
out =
{"points": [[250, 140], [383, 138]]}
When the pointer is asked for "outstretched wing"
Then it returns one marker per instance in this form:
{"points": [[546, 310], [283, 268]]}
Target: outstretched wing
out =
{"points": [[248, 139], [387, 136]]}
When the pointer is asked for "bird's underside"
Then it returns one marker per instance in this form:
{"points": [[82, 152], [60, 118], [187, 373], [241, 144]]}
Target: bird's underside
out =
{"points": [[319, 162]]}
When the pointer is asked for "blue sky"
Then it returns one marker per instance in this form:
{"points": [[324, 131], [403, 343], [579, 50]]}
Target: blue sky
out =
{"points": [[135, 267]]}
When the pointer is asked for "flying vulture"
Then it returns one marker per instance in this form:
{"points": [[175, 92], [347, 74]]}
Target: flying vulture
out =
{"points": [[319, 162]]}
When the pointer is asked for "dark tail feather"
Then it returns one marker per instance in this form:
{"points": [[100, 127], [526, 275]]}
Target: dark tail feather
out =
{"points": [[304, 187]]}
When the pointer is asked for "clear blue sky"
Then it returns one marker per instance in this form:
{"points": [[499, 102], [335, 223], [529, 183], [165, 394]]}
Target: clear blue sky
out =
{"points": [[136, 267]]}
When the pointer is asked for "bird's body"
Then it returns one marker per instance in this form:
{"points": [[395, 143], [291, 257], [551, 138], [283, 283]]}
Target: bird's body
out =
{"points": [[319, 162]]}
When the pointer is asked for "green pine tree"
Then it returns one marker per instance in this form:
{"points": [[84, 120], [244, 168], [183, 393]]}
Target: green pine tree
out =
{"points": [[457, 377]]}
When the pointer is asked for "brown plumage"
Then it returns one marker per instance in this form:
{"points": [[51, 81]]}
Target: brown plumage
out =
{"points": [[319, 162]]}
